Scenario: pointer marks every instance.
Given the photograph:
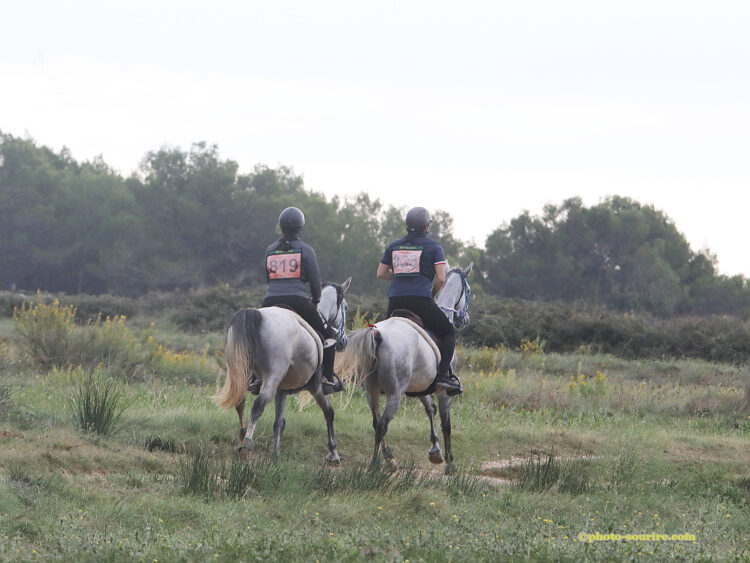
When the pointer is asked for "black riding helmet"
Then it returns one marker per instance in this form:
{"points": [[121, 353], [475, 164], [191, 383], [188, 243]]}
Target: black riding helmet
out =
{"points": [[417, 219], [291, 221]]}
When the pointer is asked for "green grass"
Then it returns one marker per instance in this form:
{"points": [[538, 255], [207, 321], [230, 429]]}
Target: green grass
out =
{"points": [[647, 447]]}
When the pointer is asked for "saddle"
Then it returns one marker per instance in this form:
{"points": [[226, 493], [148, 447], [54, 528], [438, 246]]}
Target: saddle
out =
{"points": [[416, 321], [413, 317]]}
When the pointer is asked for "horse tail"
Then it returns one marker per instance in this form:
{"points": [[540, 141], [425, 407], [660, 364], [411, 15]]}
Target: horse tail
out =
{"points": [[241, 351], [359, 358]]}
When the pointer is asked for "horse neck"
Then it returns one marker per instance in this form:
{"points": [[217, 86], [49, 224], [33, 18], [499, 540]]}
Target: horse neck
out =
{"points": [[328, 303], [451, 291]]}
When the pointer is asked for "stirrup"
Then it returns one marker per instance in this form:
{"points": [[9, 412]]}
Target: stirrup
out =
{"points": [[254, 385], [332, 386], [450, 383]]}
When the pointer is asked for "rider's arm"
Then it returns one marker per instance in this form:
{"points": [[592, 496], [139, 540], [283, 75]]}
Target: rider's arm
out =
{"points": [[439, 279], [384, 272], [312, 273]]}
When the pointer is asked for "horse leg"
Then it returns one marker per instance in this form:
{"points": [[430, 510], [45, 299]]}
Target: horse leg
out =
{"points": [[259, 405], [325, 405], [392, 403], [240, 408], [435, 455], [279, 422], [444, 404], [373, 399]]}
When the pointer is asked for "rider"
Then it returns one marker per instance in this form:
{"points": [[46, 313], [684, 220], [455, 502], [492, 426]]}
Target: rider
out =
{"points": [[291, 266], [410, 264]]}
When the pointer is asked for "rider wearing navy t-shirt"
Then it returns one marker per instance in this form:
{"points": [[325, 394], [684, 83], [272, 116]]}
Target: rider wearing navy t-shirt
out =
{"points": [[411, 263], [291, 268]]}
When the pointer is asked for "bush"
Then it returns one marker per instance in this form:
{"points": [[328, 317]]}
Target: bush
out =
{"points": [[87, 307], [52, 338], [570, 327], [211, 309], [46, 331]]}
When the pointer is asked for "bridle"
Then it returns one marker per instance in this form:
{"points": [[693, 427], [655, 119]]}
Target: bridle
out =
{"points": [[460, 316]]}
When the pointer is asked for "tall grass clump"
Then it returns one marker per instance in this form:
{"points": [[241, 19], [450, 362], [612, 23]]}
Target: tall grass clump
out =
{"points": [[5, 395], [199, 470], [540, 472], [576, 476], [5, 387], [262, 475], [95, 403], [363, 477], [465, 481], [624, 470]]}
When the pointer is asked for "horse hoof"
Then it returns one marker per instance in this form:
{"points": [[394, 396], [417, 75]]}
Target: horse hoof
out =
{"points": [[245, 445], [333, 459], [387, 453], [436, 456], [391, 465], [450, 469]]}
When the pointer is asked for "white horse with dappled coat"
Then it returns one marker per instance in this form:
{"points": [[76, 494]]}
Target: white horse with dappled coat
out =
{"points": [[285, 354], [395, 356]]}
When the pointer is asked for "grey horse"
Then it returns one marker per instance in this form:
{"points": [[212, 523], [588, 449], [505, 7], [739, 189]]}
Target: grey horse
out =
{"points": [[393, 357], [285, 354]]}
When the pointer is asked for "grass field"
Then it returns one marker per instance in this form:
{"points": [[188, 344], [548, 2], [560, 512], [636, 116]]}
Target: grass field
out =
{"points": [[548, 447]]}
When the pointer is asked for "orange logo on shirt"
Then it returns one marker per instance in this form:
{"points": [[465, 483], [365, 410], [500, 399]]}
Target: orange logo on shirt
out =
{"points": [[282, 266]]}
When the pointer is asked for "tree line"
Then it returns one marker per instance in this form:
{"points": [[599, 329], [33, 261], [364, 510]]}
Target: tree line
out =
{"points": [[190, 219]]}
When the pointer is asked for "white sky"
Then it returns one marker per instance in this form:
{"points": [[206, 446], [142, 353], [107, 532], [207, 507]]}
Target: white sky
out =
{"points": [[483, 109]]}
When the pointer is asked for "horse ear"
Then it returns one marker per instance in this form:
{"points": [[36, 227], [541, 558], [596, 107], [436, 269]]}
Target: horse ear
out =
{"points": [[346, 284], [467, 269]]}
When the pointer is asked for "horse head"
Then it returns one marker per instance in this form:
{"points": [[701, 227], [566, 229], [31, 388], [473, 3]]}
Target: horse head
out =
{"points": [[453, 299], [333, 308]]}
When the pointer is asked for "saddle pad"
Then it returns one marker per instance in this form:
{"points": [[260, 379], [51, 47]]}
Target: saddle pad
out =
{"points": [[422, 332]]}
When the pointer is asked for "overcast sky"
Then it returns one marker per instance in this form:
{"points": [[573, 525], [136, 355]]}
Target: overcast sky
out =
{"points": [[484, 109]]}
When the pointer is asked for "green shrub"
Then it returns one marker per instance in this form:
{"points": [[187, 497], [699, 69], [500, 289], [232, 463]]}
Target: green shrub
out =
{"points": [[211, 309], [96, 404], [11, 300], [570, 327], [52, 338], [88, 307], [46, 331]]}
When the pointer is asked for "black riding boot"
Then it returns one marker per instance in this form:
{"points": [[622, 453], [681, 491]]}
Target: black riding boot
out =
{"points": [[331, 382], [447, 380]]}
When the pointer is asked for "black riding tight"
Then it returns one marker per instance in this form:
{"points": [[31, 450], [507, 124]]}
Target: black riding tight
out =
{"points": [[434, 320]]}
